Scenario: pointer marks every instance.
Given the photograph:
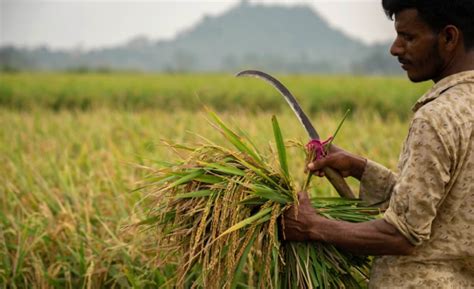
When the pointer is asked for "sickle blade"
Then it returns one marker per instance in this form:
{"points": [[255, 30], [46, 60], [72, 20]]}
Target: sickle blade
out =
{"points": [[334, 177], [313, 134]]}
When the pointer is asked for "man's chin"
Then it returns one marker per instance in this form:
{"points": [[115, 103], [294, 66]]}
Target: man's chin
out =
{"points": [[416, 78]]}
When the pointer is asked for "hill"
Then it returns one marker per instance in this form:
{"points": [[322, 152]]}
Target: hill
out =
{"points": [[274, 38]]}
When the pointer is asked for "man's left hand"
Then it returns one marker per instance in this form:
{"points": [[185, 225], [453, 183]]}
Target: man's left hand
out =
{"points": [[299, 221]]}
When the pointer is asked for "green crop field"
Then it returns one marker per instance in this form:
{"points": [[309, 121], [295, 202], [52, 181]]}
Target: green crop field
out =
{"points": [[133, 92], [74, 148]]}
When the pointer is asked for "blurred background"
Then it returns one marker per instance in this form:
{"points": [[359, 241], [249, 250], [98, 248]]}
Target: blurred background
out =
{"points": [[342, 36]]}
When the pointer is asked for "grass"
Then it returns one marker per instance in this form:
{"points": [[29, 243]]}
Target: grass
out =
{"points": [[68, 176], [25, 91]]}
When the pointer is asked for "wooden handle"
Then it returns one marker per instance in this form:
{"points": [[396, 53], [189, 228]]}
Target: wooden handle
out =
{"points": [[338, 183]]}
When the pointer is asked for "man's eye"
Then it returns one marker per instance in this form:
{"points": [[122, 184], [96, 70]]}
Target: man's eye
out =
{"points": [[407, 37]]}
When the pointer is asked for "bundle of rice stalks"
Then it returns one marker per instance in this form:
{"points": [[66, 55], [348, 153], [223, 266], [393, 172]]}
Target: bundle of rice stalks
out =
{"points": [[217, 215]]}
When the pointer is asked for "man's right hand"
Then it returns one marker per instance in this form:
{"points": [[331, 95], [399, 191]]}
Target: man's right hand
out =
{"points": [[347, 164]]}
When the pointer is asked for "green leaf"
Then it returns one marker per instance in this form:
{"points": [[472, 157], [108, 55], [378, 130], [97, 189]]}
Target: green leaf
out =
{"points": [[248, 221], [234, 138], [208, 179], [261, 173], [327, 146], [226, 169], [263, 219], [280, 147], [269, 194], [192, 175], [253, 201], [196, 194]]}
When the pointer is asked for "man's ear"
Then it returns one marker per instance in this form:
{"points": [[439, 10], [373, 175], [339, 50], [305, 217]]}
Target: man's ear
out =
{"points": [[450, 38]]}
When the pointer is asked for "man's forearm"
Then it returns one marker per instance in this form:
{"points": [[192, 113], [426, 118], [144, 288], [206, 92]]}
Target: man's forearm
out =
{"points": [[368, 238]]}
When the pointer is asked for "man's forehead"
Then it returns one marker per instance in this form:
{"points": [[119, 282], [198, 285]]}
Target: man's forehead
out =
{"points": [[409, 19]]}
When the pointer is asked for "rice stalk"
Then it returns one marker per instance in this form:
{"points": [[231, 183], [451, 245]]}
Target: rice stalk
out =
{"points": [[217, 212]]}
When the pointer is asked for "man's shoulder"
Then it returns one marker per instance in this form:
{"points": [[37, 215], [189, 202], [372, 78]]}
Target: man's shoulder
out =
{"points": [[454, 106]]}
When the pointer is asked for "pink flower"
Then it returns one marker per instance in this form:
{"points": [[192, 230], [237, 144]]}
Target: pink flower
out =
{"points": [[318, 147]]}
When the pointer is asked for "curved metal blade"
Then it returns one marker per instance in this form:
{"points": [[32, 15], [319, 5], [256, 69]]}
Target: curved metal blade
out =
{"points": [[313, 134], [333, 176]]}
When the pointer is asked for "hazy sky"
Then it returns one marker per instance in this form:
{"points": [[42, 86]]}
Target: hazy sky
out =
{"points": [[94, 23]]}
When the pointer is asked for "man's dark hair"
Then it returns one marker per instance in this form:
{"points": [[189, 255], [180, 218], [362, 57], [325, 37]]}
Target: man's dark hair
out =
{"points": [[439, 13]]}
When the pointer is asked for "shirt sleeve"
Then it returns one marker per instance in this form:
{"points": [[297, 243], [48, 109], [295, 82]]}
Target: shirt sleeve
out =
{"points": [[421, 185], [376, 184]]}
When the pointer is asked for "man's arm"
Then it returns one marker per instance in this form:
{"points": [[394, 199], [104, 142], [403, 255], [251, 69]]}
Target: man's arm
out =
{"points": [[414, 203], [376, 181], [368, 238], [346, 163]]}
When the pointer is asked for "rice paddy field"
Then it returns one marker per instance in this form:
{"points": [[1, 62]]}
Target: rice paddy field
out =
{"points": [[75, 148]]}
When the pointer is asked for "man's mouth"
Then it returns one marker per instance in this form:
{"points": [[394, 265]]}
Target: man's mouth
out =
{"points": [[404, 63]]}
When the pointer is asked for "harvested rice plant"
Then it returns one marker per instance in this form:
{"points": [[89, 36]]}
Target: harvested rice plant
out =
{"points": [[76, 151], [218, 213]]}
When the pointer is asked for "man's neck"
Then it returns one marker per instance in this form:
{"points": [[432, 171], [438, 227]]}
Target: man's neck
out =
{"points": [[459, 63], [466, 62]]}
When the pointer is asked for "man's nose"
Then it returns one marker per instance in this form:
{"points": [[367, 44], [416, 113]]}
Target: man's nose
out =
{"points": [[397, 48]]}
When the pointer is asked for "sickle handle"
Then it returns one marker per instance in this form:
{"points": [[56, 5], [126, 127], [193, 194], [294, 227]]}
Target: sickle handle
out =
{"points": [[339, 183]]}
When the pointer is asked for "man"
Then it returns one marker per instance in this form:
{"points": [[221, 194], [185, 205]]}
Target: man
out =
{"points": [[425, 238]]}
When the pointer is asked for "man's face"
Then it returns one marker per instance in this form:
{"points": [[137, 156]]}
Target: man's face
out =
{"points": [[416, 47]]}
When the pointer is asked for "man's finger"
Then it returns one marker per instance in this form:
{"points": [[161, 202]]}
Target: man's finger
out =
{"points": [[302, 196], [316, 165]]}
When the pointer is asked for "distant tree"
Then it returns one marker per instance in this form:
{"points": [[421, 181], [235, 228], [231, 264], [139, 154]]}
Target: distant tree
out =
{"points": [[12, 59], [378, 61]]}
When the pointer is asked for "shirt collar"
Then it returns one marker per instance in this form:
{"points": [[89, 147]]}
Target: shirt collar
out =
{"points": [[443, 85]]}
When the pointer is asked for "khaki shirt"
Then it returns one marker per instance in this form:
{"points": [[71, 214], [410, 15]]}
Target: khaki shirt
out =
{"points": [[431, 200]]}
